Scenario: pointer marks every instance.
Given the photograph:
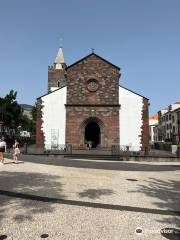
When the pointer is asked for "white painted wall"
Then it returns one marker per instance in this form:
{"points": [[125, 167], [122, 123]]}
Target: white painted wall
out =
{"points": [[152, 124], [54, 116], [151, 133], [130, 118], [52, 89]]}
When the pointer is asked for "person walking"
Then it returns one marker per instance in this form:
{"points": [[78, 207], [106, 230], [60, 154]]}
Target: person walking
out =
{"points": [[2, 150], [16, 143], [16, 151]]}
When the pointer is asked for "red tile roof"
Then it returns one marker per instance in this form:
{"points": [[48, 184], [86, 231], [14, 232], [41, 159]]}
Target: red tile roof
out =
{"points": [[154, 117]]}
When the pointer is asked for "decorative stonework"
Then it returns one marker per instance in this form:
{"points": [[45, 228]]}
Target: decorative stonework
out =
{"points": [[92, 67], [92, 85]]}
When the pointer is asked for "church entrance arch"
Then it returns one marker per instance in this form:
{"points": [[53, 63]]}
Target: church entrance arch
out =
{"points": [[92, 134], [92, 130]]}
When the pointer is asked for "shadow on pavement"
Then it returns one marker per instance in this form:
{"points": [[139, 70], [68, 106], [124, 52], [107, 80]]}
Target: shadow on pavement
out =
{"points": [[93, 164], [86, 204], [166, 194], [36, 183], [95, 193]]}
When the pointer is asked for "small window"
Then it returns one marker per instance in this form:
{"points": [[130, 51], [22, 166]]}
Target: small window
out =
{"points": [[174, 129], [58, 84]]}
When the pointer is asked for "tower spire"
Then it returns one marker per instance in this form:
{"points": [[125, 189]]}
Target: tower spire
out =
{"points": [[60, 56]]}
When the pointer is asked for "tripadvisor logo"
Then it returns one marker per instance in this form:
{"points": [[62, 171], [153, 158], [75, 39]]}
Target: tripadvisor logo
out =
{"points": [[164, 232], [139, 230]]}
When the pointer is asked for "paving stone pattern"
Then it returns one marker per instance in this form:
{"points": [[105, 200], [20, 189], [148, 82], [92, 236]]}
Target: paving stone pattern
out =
{"points": [[85, 199]]}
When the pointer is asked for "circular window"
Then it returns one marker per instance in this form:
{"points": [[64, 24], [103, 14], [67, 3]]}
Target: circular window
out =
{"points": [[92, 85]]}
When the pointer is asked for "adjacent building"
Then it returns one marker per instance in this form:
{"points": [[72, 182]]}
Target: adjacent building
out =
{"points": [[153, 123], [168, 128], [27, 110]]}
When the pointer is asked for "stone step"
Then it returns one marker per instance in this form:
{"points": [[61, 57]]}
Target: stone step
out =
{"points": [[94, 157]]}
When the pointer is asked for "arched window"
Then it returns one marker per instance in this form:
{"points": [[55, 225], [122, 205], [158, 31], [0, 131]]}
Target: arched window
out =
{"points": [[58, 83]]}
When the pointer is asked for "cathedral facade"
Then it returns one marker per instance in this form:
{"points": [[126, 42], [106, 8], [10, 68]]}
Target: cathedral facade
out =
{"points": [[85, 103]]}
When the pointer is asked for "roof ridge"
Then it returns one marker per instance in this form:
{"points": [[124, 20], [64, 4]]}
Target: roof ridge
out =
{"points": [[134, 92], [91, 54]]}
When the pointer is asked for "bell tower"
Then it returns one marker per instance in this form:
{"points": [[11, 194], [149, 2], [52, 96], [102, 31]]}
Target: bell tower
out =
{"points": [[57, 72]]}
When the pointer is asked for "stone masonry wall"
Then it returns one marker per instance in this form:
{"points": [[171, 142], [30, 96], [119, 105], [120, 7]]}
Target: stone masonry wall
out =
{"points": [[109, 116], [55, 75], [93, 68], [145, 126], [102, 104], [39, 122]]}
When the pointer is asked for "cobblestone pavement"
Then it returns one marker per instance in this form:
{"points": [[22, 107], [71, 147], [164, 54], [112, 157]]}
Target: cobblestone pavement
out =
{"points": [[88, 199]]}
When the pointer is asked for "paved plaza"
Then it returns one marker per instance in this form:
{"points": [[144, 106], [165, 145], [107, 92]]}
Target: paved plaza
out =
{"points": [[59, 198]]}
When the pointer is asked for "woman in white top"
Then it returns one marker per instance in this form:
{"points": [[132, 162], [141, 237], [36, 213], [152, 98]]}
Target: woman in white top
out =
{"points": [[16, 151], [2, 149]]}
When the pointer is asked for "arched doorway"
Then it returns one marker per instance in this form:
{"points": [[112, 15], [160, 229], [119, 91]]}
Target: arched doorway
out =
{"points": [[92, 133]]}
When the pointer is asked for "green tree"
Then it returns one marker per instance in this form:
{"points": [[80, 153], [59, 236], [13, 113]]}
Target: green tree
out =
{"points": [[10, 110], [11, 114], [34, 116]]}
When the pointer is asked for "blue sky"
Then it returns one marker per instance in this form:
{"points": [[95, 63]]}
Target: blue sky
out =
{"points": [[140, 36]]}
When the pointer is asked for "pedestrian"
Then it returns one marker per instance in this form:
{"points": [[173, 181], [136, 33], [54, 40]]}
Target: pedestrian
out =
{"points": [[16, 143], [16, 151], [89, 145], [2, 150]]}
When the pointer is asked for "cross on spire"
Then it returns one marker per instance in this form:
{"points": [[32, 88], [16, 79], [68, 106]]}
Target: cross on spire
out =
{"points": [[92, 50]]}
